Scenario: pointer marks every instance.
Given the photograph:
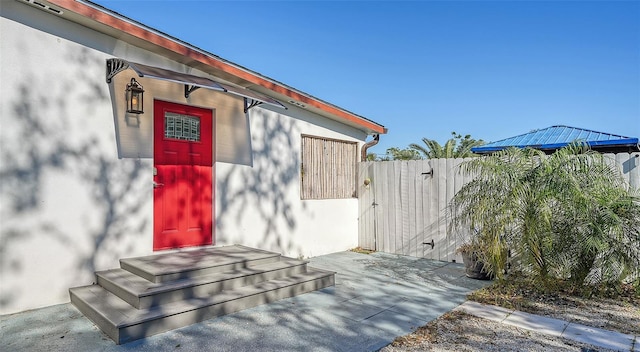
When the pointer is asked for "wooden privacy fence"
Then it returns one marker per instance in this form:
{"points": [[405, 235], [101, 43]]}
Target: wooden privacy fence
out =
{"points": [[402, 204]]}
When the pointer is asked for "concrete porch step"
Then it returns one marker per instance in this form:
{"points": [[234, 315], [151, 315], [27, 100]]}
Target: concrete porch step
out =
{"points": [[156, 293], [141, 293], [124, 323], [192, 263]]}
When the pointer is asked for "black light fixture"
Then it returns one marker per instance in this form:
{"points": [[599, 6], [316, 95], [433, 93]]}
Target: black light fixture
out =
{"points": [[135, 97]]}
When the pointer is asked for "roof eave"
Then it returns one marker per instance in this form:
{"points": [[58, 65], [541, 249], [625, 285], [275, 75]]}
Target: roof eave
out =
{"points": [[630, 143], [106, 21]]}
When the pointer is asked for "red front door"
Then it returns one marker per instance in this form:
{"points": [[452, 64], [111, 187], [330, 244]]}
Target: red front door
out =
{"points": [[183, 182]]}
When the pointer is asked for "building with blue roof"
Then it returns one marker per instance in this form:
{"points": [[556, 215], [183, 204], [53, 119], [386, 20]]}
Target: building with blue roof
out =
{"points": [[553, 138]]}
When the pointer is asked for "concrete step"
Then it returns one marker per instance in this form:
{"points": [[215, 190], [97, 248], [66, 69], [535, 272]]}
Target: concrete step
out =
{"points": [[193, 263], [124, 323], [141, 293]]}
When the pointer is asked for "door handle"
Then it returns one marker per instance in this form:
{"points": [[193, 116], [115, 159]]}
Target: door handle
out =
{"points": [[156, 184]]}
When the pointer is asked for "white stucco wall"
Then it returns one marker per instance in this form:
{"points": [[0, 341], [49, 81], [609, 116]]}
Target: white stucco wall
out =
{"points": [[68, 204], [260, 206], [76, 180]]}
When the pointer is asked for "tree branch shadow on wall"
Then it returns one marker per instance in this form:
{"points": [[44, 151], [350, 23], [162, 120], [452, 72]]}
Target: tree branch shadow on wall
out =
{"points": [[52, 137], [267, 187]]}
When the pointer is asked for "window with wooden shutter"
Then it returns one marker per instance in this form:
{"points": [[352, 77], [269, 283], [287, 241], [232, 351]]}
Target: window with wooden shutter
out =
{"points": [[328, 168]]}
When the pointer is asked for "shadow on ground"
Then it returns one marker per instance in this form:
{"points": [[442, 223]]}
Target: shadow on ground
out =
{"points": [[376, 298]]}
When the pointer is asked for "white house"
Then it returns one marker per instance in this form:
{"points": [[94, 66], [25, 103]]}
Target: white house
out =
{"points": [[220, 154]]}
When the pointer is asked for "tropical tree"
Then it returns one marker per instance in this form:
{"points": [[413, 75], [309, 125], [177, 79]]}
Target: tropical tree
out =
{"points": [[372, 157], [565, 216], [456, 147], [402, 154]]}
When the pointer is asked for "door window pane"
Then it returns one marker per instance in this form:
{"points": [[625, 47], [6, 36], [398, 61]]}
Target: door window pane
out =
{"points": [[181, 127]]}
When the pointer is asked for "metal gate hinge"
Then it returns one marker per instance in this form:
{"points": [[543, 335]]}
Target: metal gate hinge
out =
{"points": [[432, 244]]}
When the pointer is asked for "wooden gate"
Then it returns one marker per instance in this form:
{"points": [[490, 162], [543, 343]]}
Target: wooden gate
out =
{"points": [[403, 204], [403, 207]]}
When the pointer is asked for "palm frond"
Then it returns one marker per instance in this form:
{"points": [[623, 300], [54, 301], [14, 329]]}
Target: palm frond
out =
{"points": [[569, 214]]}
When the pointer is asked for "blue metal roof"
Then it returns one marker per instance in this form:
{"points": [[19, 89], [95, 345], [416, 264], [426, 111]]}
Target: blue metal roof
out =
{"points": [[556, 137]]}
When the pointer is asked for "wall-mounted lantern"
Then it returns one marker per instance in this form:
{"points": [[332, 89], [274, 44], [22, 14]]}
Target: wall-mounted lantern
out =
{"points": [[135, 97]]}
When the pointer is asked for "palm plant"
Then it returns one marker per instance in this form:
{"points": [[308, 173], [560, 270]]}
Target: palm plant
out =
{"points": [[598, 216], [568, 215], [456, 147], [394, 153], [433, 150]]}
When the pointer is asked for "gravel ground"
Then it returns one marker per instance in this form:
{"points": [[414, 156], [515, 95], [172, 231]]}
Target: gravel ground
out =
{"points": [[620, 314], [604, 313], [458, 331]]}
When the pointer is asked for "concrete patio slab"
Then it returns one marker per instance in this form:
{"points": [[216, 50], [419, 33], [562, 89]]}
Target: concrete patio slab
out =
{"points": [[324, 298], [381, 300], [379, 297], [395, 324], [376, 298], [355, 310], [428, 307]]}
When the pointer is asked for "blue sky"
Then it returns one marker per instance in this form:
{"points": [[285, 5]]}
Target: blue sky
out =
{"points": [[492, 69]]}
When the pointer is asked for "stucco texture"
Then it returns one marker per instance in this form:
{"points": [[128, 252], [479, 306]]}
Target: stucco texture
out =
{"points": [[76, 172]]}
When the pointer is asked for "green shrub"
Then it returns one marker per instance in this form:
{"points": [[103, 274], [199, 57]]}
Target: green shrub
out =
{"points": [[565, 216]]}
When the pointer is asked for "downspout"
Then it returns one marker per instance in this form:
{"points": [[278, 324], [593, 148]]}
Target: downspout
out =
{"points": [[369, 144], [363, 156]]}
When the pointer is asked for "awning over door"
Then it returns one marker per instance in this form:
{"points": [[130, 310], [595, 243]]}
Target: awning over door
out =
{"points": [[191, 82], [251, 98]]}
